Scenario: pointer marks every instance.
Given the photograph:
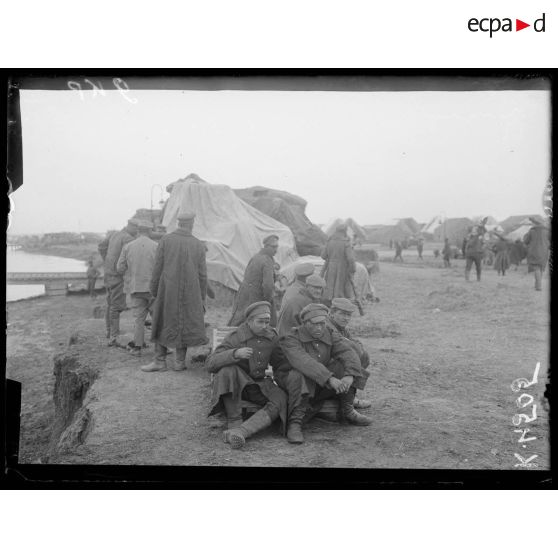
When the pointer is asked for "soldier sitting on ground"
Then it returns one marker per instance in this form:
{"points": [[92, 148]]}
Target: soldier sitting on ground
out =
{"points": [[240, 364], [324, 366], [340, 315]]}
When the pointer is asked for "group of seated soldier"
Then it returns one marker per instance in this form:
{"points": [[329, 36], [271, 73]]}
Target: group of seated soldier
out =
{"points": [[314, 361]]}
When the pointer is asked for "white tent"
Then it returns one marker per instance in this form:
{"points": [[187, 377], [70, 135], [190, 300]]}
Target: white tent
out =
{"points": [[519, 233], [232, 230]]}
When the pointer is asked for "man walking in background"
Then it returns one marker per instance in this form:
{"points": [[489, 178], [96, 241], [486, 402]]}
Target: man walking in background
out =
{"points": [[339, 265], [136, 263], [537, 241], [92, 274], [110, 249], [446, 252], [474, 252], [258, 283], [179, 285], [420, 247], [398, 251]]}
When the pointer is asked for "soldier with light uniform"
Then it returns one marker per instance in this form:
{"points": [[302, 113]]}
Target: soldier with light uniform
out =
{"points": [[312, 291], [239, 364]]}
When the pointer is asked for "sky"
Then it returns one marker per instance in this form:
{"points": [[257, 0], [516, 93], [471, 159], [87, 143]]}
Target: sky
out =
{"points": [[91, 159]]}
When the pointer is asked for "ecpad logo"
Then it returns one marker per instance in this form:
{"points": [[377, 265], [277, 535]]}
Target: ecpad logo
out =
{"points": [[493, 25]]}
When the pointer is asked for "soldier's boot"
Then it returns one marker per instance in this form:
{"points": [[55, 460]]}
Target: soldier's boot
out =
{"points": [[294, 427], [114, 330], [467, 275], [348, 412], [233, 412], [237, 437], [180, 360]]}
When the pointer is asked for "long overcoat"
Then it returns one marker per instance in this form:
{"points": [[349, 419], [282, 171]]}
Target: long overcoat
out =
{"points": [[258, 284], [502, 255], [339, 263], [266, 351], [319, 359], [179, 283], [537, 241]]}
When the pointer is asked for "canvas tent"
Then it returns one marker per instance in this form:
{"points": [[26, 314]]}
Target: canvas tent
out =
{"points": [[289, 210], [455, 229], [519, 233], [382, 234], [515, 221], [232, 230]]}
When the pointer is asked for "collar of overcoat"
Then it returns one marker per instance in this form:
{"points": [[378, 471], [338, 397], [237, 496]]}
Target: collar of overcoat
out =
{"points": [[182, 232], [244, 333], [305, 337]]}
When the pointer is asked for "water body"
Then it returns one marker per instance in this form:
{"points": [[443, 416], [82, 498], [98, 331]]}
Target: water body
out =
{"points": [[20, 261]]}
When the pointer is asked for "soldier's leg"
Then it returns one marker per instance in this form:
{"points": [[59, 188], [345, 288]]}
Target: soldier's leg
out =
{"points": [[478, 266], [139, 310], [468, 266], [538, 277], [348, 412], [180, 359], [237, 437], [117, 305], [160, 362], [293, 383], [107, 313]]}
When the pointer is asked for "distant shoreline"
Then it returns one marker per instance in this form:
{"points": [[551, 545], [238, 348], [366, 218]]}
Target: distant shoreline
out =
{"points": [[81, 252]]}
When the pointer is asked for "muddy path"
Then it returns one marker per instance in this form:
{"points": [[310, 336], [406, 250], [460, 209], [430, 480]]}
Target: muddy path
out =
{"points": [[444, 353]]}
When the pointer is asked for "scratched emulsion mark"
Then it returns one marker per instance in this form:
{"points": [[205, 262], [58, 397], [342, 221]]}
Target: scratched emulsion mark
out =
{"points": [[547, 207], [523, 401], [93, 89]]}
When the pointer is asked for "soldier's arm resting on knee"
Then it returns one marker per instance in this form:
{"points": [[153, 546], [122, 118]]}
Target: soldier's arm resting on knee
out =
{"points": [[302, 361]]}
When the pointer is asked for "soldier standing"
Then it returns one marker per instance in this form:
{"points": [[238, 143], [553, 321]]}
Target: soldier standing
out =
{"points": [[258, 283], [179, 285], [110, 249], [339, 265]]}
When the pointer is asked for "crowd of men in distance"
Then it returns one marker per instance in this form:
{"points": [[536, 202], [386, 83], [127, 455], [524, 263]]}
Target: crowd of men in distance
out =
{"points": [[535, 246], [290, 371]]}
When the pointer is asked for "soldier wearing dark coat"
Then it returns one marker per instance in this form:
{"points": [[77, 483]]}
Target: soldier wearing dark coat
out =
{"points": [[501, 251], [240, 364], [340, 315], [258, 283], [179, 285], [474, 252], [110, 249], [537, 241], [314, 351], [288, 315], [339, 265]]}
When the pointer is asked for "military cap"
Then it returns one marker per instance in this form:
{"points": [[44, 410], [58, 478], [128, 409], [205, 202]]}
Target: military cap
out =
{"points": [[315, 281], [186, 216], [269, 238], [304, 269], [343, 304], [257, 308], [313, 310]]}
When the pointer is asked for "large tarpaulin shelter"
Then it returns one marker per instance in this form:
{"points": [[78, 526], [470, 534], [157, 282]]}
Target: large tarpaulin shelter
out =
{"points": [[354, 230], [289, 210], [232, 230]]}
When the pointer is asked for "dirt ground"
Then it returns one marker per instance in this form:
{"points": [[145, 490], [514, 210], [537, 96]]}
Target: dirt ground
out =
{"points": [[444, 353]]}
